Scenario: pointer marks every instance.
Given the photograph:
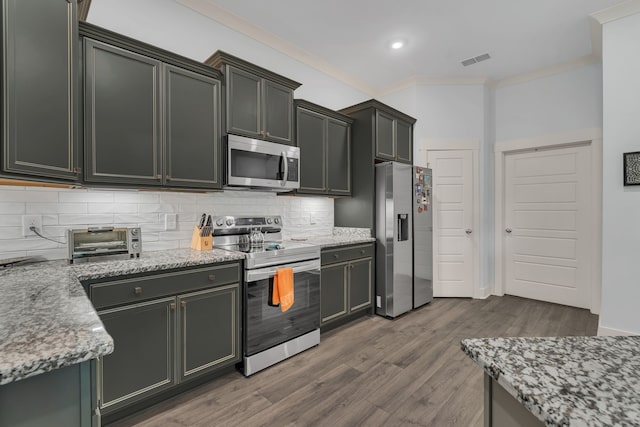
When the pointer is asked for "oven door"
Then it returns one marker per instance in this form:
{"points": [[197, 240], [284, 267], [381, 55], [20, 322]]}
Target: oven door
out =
{"points": [[266, 326], [255, 163]]}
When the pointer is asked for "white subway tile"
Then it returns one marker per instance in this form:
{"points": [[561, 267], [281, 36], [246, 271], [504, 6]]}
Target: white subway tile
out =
{"points": [[135, 197], [12, 254], [112, 208], [11, 233], [160, 245], [157, 208], [174, 235], [56, 208], [82, 196], [87, 219], [50, 254], [12, 187], [151, 228], [10, 220], [135, 218], [177, 198], [49, 219], [26, 244], [28, 196], [12, 208]]}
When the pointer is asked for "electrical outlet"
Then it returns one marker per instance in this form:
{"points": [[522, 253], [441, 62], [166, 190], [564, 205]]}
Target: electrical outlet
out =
{"points": [[170, 221], [31, 221]]}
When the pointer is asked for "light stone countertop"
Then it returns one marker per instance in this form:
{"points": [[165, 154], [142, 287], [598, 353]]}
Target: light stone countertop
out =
{"points": [[342, 236], [46, 319], [566, 381]]}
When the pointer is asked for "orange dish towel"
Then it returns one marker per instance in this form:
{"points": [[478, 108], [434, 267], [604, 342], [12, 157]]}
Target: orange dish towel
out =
{"points": [[283, 288]]}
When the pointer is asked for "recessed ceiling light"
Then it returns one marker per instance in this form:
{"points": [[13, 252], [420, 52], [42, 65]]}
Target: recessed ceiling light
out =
{"points": [[398, 44]]}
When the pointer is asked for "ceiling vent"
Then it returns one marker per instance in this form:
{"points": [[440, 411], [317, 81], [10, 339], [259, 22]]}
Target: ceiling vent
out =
{"points": [[475, 59]]}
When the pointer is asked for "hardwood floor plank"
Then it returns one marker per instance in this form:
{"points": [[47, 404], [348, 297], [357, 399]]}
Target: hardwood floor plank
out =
{"points": [[374, 371]]}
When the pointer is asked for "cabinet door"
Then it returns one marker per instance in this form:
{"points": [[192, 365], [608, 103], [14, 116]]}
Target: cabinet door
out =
{"points": [[142, 363], [278, 113], [40, 88], [209, 330], [338, 158], [122, 120], [243, 103], [192, 131], [404, 142], [311, 136], [385, 134], [360, 283], [333, 292]]}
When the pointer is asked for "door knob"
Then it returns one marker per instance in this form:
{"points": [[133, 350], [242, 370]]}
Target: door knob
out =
{"points": [[468, 231], [508, 230]]}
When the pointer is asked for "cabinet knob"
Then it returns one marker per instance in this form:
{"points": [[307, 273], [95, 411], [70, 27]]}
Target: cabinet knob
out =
{"points": [[172, 306], [137, 290], [167, 178], [158, 176], [362, 251], [212, 277], [335, 256]]}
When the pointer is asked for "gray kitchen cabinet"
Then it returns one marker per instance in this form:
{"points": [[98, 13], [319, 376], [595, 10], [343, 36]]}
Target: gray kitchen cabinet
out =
{"points": [[152, 118], [259, 103], [40, 89], [209, 330], [169, 328], [122, 116], [346, 283], [324, 138], [142, 361], [192, 130], [379, 133]]}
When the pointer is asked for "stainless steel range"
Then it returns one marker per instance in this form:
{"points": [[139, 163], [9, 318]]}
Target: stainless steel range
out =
{"points": [[270, 335]]}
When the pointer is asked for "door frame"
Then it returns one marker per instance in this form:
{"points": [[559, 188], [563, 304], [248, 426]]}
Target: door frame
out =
{"points": [[592, 138], [472, 145]]}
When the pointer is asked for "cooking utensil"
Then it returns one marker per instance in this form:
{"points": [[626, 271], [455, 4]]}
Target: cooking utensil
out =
{"points": [[209, 226], [203, 218]]}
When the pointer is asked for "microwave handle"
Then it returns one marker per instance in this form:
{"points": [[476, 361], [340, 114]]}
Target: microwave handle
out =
{"points": [[286, 169], [269, 272]]}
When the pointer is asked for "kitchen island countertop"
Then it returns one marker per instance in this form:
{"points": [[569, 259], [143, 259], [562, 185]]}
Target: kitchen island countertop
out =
{"points": [[566, 381], [46, 319]]}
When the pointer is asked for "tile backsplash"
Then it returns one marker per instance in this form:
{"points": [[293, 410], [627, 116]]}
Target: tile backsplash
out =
{"points": [[77, 208]]}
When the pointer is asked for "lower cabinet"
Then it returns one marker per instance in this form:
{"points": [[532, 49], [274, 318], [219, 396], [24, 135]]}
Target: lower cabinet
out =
{"points": [[346, 282], [165, 341]]}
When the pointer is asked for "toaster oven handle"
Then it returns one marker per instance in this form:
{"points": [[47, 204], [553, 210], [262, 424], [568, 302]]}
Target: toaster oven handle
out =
{"points": [[286, 169], [99, 229], [269, 272]]}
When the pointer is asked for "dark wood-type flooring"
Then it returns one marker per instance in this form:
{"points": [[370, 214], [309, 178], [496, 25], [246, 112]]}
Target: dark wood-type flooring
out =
{"points": [[374, 371]]}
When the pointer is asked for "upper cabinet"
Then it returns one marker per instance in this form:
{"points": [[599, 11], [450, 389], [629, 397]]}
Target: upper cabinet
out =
{"points": [[324, 138], [40, 88], [151, 118], [259, 103], [393, 131]]}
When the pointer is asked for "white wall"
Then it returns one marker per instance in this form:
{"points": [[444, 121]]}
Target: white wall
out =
{"points": [[621, 205], [565, 101], [62, 209], [171, 26]]}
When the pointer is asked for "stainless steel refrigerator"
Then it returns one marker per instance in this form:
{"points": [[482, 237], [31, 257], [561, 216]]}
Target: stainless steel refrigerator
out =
{"points": [[403, 230]]}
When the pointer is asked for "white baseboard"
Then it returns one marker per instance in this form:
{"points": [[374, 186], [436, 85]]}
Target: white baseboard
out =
{"points": [[604, 331], [483, 293]]}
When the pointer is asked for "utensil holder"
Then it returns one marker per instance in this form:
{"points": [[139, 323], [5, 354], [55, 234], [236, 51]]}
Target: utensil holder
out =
{"points": [[200, 243]]}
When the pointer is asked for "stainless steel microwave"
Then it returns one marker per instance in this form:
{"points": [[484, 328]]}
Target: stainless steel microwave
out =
{"points": [[261, 164]]}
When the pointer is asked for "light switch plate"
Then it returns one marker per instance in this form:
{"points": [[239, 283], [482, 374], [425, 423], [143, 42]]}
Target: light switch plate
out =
{"points": [[170, 221]]}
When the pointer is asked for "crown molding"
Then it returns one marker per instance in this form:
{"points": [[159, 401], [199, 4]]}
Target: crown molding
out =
{"points": [[240, 25], [616, 12], [548, 71]]}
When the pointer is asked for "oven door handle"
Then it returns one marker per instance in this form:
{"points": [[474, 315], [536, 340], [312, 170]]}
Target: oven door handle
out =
{"points": [[285, 175], [268, 272]]}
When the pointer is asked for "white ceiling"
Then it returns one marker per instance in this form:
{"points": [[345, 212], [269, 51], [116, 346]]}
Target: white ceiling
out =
{"points": [[353, 36]]}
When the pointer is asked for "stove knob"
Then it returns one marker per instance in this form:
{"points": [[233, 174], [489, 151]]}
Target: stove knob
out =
{"points": [[134, 231], [269, 220], [134, 245], [276, 220], [219, 222], [229, 222]]}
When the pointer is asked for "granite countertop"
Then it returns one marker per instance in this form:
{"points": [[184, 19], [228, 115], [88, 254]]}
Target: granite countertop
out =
{"points": [[46, 319], [566, 381], [342, 236]]}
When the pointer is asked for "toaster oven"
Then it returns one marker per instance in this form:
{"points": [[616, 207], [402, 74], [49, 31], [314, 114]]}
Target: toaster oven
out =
{"points": [[101, 241]]}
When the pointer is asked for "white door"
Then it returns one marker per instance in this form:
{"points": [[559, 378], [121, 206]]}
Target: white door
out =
{"points": [[453, 234], [547, 222]]}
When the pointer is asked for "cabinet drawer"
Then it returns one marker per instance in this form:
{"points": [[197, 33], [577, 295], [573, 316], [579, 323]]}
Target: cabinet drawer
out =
{"points": [[129, 290], [330, 256]]}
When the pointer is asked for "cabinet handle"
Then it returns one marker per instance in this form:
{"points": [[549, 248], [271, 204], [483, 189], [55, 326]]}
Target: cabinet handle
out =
{"points": [[168, 177], [362, 251], [212, 277], [263, 133], [172, 306], [183, 304], [158, 176], [137, 290]]}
